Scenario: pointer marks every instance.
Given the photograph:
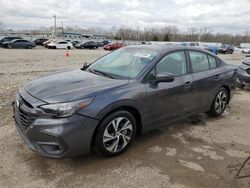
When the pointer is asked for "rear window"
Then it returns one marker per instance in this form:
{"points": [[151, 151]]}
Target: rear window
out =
{"points": [[212, 62]]}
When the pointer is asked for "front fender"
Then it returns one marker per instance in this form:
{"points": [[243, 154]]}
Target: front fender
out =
{"points": [[118, 104]]}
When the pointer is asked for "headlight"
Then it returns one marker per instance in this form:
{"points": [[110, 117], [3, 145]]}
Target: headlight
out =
{"points": [[66, 109]]}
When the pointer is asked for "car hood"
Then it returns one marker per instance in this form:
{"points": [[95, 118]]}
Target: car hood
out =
{"points": [[70, 85], [6, 42]]}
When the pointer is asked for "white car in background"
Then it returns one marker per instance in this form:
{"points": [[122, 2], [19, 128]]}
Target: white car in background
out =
{"points": [[238, 49], [246, 50], [62, 44]]}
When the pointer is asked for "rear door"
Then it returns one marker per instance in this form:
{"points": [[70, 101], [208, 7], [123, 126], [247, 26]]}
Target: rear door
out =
{"points": [[169, 101], [18, 43], [207, 76]]}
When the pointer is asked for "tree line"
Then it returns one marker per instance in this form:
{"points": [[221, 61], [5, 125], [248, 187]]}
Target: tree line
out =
{"points": [[172, 33]]}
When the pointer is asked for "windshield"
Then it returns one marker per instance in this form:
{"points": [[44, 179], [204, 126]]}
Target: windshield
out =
{"points": [[125, 62]]}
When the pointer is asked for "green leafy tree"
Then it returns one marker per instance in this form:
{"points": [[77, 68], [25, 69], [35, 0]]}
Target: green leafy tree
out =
{"points": [[166, 38], [155, 38]]}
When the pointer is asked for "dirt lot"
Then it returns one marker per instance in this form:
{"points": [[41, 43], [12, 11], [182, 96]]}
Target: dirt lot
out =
{"points": [[207, 154]]}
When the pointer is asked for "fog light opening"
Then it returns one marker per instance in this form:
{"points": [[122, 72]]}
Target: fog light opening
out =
{"points": [[51, 148]]}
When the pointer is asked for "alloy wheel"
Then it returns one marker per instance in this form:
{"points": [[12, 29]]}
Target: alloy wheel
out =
{"points": [[221, 102], [117, 134]]}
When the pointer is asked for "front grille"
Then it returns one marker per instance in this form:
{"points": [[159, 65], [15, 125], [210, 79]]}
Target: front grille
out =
{"points": [[248, 71], [22, 115]]}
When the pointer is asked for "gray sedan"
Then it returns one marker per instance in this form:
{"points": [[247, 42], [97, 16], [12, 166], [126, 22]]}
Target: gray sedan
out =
{"points": [[19, 43], [128, 92]]}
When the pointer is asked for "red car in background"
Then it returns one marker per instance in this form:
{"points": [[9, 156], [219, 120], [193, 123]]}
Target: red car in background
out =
{"points": [[113, 46]]}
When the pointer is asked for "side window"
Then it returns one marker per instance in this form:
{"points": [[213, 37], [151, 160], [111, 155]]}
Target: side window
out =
{"points": [[199, 61], [212, 62], [174, 63]]}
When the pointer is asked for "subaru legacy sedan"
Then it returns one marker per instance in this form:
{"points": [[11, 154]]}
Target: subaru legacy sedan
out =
{"points": [[103, 106]]}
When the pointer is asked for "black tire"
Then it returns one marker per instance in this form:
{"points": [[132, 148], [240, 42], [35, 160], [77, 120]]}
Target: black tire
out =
{"points": [[10, 46], [216, 110], [103, 147], [68, 48], [29, 47]]}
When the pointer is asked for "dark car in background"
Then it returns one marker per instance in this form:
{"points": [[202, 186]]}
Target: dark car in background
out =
{"points": [[19, 43], [226, 49], [105, 42], [9, 38], [87, 45], [113, 46], [75, 42], [243, 76], [130, 91], [40, 41], [99, 44]]}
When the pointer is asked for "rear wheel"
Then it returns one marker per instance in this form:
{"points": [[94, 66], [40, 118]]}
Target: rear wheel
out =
{"points": [[115, 134], [29, 47], [68, 47], [219, 103]]}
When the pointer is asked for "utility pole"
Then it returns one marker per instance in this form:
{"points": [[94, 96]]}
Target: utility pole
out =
{"points": [[62, 30], [54, 25]]}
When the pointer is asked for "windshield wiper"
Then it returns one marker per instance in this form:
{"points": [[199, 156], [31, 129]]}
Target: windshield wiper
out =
{"points": [[85, 66], [95, 71]]}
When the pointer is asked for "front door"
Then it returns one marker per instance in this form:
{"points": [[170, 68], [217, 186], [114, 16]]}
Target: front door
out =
{"points": [[169, 101]]}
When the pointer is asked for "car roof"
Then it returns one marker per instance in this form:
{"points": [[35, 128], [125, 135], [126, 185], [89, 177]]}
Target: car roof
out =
{"points": [[16, 40], [162, 48]]}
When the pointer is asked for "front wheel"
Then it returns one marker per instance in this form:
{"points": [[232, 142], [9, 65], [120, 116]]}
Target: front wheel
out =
{"points": [[115, 133], [68, 47], [219, 103], [10, 46]]}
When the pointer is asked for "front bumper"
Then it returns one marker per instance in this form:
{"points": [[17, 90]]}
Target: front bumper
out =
{"points": [[57, 138]]}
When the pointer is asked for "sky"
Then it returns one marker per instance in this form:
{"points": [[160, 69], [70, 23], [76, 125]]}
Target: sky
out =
{"points": [[230, 16]]}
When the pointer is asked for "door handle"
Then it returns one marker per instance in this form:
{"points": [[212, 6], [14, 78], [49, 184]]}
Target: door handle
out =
{"points": [[188, 85]]}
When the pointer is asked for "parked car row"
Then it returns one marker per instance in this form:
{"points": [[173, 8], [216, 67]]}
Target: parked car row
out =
{"points": [[18, 42]]}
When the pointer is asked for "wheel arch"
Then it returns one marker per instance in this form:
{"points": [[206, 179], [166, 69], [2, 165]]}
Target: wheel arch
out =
{"points": [[228, 91], [129, 108]]}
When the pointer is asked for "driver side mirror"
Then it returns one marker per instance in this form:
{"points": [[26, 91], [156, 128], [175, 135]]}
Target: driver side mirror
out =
{"points": [[163, 78]]}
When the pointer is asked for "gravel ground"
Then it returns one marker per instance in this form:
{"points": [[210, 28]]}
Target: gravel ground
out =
{"points": [[207, 154]]}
